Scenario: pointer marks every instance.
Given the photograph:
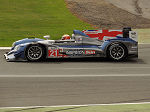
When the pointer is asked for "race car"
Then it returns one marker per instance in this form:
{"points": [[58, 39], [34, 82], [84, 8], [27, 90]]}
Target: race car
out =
{"points": [[113, 44]]}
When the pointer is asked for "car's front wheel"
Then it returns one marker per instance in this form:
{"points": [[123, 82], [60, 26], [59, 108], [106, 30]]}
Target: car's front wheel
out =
{"points": [[117, 52], [34, 52]]}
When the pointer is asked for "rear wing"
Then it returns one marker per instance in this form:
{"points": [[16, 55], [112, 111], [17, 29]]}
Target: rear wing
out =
{"points": [[112, 34]]}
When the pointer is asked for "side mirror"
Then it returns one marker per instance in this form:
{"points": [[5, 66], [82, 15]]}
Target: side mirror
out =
{"points": [[47, 36]]}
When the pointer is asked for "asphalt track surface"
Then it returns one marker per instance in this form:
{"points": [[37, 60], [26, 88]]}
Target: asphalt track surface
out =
{"points": [[75, 81]]}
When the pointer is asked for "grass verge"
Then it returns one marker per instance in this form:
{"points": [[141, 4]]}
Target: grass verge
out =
{"points": [[110, 108], [35, 18]]}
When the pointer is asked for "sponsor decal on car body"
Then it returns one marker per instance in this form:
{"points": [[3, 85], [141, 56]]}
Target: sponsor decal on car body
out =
{"points": [[55, 53], [101, 34], [89, 51], [75, 52]]}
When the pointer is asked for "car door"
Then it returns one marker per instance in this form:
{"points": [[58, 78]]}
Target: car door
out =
{"points": [[66, 48], [72, 48]]}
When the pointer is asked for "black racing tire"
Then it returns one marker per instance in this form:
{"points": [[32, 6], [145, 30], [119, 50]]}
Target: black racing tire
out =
{"points": [[35, 53], [117, 52]]}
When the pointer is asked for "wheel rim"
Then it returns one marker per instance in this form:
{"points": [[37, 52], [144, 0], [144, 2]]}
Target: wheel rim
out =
{"points": [[34, 52], [117, 52]]}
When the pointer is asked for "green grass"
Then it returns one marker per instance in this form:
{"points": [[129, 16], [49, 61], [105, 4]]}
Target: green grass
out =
{"points": [[27, 18], [114, 108]]}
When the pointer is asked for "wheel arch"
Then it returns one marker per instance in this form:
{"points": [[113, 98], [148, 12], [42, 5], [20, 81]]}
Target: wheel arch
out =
{"points": [[114, 42], [45, 48]]}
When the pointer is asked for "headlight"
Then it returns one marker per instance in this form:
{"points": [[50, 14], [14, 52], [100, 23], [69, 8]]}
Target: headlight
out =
{"points": [[17, 48]]}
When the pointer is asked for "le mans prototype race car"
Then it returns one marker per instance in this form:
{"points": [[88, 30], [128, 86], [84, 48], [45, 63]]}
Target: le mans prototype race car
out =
{"points": [[114, 44]]}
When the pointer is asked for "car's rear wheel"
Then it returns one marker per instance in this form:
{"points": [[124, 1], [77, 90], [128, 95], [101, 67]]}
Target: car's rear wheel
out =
{"points": [[117, 52], [34, 52]]}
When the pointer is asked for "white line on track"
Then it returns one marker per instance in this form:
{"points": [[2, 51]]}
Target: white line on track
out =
{"points": [[61, 76], [144, 43], [146, 67], [5, 48], [97, 68], [77, 105]]}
